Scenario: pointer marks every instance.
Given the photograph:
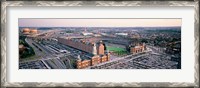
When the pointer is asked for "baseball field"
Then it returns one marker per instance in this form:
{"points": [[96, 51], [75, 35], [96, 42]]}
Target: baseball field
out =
{"points": [[117, 50]]}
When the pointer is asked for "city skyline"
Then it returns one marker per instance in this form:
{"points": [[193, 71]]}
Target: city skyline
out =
{"points": [[37, 22]]}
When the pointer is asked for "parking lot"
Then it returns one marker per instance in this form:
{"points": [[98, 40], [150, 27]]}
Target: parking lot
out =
{"points": [[147, 61], [32, 65]]}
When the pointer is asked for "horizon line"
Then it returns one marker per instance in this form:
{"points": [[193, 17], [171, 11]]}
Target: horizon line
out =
{"points": [[110, 27]]}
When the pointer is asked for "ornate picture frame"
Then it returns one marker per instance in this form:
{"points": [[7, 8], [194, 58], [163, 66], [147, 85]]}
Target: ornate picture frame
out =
{"points": [[5, 4]]}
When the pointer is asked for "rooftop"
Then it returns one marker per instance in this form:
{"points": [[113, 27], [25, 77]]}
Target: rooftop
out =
{"points": [[86, 40]]}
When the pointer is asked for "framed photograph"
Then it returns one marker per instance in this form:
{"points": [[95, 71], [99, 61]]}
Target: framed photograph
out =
{"points": [[100, 44]]}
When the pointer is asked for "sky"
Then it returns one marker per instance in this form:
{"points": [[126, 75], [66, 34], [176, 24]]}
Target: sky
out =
{"points": [[33, 22]]}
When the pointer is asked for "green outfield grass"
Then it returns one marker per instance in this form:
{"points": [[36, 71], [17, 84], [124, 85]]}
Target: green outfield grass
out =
{"points": [[117, 50]]}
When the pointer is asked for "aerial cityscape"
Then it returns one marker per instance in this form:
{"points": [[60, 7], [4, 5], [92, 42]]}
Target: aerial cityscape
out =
{"points": [[99, 43]]}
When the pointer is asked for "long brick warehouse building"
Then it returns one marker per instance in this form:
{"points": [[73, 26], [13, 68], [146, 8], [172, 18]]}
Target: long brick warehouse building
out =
{"points": [[94, 48]]}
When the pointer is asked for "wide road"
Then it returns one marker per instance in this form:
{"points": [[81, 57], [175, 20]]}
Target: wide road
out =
{"points": [[36, 50], [38, 54]]}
